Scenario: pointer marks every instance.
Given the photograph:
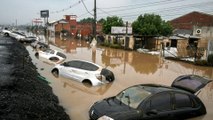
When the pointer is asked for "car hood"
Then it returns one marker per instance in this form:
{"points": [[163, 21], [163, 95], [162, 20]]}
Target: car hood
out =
{"points": [[110, 107]]}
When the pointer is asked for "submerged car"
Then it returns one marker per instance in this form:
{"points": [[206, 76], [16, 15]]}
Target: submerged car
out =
{"points": [[84, 71], [151, 101], [18, 35], [29, 39], [6, 32], [51, 55], [39, 45]]}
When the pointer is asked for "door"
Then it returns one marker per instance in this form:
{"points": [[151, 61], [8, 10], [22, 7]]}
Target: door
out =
{"points": [[71, 68], [159, 106]]}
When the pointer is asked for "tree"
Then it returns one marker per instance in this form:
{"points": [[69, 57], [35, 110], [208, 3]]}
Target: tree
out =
{"points": [[152, 25], [102, 20], [87, 20], [111, 21]]}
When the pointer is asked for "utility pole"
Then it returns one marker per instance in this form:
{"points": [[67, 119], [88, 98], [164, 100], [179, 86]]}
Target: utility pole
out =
{"points": [[95, 17]]}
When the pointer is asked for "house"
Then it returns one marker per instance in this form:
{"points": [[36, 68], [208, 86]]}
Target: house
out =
{"points": [[73, 28], [197, 30], [188, 21]]}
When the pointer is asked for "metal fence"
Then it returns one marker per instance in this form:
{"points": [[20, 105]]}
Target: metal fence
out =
{"points": [[210, 47]]}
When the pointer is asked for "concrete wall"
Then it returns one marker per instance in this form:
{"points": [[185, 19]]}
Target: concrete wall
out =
{"points": [[205, 34]]}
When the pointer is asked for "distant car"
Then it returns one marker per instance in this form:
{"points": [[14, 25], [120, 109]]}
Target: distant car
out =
{"points": [[6, 32], [84, 71], [17, 35], [29, 39], [39, 45], [51, 55], [150, 101]]}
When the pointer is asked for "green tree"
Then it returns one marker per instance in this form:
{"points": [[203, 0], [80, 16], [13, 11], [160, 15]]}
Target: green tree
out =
{"points": [[111, 21], [102, 20], [151, 24], [87, 20]]}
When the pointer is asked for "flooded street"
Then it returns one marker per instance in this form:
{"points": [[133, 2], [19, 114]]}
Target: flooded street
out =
{"points": [[129, 67]]}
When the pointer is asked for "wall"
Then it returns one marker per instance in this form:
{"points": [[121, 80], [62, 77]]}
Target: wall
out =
{"points": [[206, 32]]}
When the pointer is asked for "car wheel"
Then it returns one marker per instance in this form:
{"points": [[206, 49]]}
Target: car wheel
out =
{"points": [[55, 72], [6, 34], [37, 54]]}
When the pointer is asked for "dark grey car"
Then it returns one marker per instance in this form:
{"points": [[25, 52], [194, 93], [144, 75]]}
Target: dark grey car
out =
{"points": [[151, 101]]}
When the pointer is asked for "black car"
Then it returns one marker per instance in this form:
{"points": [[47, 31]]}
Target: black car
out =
{"points": [[151, 101]]}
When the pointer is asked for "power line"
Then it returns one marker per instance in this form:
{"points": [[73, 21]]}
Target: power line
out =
{"points": [[168, 10], [145, 4], [86, 8], [67, 8], [139, 6]]}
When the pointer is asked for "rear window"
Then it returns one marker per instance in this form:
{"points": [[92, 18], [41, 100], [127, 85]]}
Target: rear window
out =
{"points": [[189, 84]]}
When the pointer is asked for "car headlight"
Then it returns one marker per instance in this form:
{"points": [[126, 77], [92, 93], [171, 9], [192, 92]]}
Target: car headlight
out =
{"points": [[105, 118]]}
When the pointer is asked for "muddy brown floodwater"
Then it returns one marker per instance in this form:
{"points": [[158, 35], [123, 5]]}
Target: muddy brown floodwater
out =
{"points": [[129, 67]]}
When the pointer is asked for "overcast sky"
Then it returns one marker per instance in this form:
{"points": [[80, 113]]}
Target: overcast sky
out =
{"points": [[24, 11]]}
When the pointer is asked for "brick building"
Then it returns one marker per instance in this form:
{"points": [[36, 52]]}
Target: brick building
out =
{"points": [[74, 28], [192, 19]]}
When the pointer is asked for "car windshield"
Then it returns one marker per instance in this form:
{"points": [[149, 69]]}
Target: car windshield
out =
{"points": [[133, 96], [49, 51]]}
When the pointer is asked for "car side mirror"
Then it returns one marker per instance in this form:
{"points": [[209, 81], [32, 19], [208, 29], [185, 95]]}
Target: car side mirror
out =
{"points": [[152, 112]]}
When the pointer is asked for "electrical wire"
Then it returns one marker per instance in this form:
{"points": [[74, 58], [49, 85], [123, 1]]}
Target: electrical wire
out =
{"points": [[65, 9], [166, 10], [86, 8]]}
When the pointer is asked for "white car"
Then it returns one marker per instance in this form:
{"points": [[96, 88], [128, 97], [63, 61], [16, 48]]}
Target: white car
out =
{"points": [[51, 55], [17, 35], [30, 39], [6, 32], [84, 71]]}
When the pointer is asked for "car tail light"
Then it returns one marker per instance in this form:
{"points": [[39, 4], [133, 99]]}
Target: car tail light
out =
{"points": [[99, 77]]}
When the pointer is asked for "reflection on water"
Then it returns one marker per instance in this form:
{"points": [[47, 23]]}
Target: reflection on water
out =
{"points": [[96, 90], [129, 68]]}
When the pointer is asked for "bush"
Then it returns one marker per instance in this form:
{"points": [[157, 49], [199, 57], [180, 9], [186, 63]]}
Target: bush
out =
{"points": [[201, 62], [210, 59], [116, 46]]}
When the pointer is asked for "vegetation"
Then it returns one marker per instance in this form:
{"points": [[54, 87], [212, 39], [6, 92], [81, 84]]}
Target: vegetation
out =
{"points": [[151, 25], [111, 21], [87, 20], [107, 44]]}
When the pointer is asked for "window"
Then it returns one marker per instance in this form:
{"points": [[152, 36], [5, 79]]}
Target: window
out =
{"points": [[89, 66], [160, 102], [182, 101], [61, 54], [52, 52], [75, 64]]}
